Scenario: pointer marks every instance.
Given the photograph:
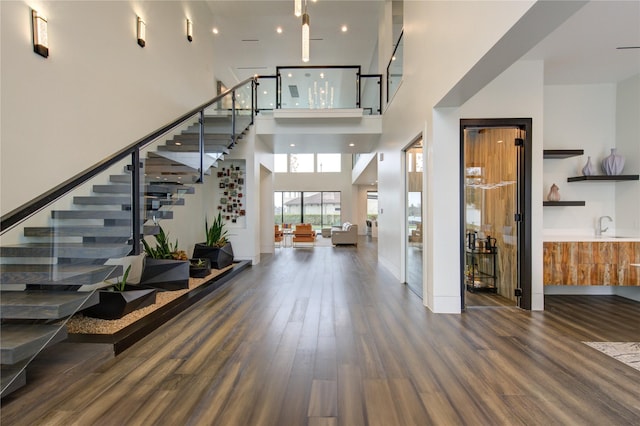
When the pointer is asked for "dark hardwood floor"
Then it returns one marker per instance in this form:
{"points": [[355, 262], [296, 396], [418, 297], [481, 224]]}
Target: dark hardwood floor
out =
{"points": [[326, 336]]}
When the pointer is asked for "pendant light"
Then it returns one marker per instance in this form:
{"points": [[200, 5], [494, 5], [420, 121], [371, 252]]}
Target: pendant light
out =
{"points": [[305, 35], [297, 8]]}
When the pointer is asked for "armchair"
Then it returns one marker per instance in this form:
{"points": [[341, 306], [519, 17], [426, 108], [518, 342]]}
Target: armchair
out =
{"points": [[304, 234], [347, 235], [279, 235]]}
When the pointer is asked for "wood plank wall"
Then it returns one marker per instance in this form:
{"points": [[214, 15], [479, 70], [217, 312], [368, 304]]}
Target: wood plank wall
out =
{"points": [[591, 263], [498, 161]]}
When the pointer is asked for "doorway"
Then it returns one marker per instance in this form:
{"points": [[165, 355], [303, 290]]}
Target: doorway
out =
{"points": [[495, 212], [414, 162]]}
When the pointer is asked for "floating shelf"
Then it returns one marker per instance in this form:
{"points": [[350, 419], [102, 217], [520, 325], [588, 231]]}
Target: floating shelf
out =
{"points": [[609, 178], [562, 153], [563, 203]]}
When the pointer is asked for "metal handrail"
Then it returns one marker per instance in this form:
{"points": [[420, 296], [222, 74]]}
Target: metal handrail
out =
{"points": [[26, 210]]}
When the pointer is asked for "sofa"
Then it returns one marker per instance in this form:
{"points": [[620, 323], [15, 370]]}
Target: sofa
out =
{"points": [[348, 234], [304, 233]]}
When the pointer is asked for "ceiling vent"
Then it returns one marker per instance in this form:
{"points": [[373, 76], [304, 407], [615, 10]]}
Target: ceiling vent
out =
{"points": [[293, 90]]}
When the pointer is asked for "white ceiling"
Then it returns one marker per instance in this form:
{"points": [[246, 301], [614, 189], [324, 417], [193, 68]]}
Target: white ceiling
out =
{"points": [[248, 43], [583, 49], [580, 51]]}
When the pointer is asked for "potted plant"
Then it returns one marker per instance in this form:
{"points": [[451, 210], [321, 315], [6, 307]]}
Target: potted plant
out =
{"points": [[217, 247], [199, 267], [165, 267], [120, 299]]}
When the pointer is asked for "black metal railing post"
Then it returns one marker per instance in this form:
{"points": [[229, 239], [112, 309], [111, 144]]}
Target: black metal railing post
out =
{"points": [[136, 217], [201, 147], [233, 117], [253, 91]]}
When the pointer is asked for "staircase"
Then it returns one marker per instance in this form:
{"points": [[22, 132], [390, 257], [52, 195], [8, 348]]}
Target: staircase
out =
{"points": [[48, 273]]}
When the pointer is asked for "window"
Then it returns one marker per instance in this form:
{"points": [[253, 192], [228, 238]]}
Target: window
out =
{"points": [[280, 163], [328, 163], [301, 163], [321, 209]]}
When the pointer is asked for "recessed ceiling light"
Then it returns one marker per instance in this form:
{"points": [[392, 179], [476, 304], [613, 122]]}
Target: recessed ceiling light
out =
{"points": [[178, 143], [215, 30], [279, 30], [292, 144], [352, 144], [265, 92], [321, 75], [344, 28], [289, 75]]}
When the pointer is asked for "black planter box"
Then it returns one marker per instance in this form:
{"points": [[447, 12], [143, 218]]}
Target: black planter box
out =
{"points": [[165, 274], [116, 304], [196, 271], [220, 257]]}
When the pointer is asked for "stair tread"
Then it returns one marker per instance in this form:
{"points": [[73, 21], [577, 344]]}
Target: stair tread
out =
{"points": [[79, 230], [85, 231], [12, 378], [20, 341], [44, 304], [72, 250], [125, 189], [91, 214], [57, 274], [103, 214]]}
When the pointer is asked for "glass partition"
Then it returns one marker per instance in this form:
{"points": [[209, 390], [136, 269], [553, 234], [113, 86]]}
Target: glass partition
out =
{"points": [[319, 87], [370, 89], [394, 70], [266, 93], [53, 262]]}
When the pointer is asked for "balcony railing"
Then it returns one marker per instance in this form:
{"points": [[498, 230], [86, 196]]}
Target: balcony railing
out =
{"points": [[320, 87]]}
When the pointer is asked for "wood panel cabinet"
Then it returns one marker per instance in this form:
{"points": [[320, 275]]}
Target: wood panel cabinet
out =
{"points": [[591, 263]]}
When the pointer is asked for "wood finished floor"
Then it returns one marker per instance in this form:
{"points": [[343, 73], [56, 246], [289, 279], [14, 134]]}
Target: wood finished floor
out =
{"points": [[325, 336]]}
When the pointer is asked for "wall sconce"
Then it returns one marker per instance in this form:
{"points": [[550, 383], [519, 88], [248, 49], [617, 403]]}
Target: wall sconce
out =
{"points": [[40, 38], [189, 31], [142, 32]]}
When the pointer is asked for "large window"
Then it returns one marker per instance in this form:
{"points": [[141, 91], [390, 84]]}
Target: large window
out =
{"points": [[329, 163], [301, 163], [308, 163], [321, 209], [280, 163]]}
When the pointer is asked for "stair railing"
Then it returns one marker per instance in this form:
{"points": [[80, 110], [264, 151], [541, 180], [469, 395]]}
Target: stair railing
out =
{"points": [[14, 217], [58, 250]]}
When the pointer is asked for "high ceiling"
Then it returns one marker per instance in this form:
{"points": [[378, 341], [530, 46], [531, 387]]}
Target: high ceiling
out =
{"points": [[248, 44], [583, 50]]}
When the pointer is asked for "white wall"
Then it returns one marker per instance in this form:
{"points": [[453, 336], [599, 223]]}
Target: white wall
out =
{"points": [[436, 58], [247, 238], [628, 144], [579, 117], [113, 92]]}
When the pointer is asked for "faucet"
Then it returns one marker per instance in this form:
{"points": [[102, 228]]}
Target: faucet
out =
{"points": [[600, 229]]}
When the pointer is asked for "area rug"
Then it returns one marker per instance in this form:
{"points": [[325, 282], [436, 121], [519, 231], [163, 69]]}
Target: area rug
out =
{"points": [[626, 352]]}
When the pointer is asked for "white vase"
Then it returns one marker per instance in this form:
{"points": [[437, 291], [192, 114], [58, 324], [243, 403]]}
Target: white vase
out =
{"points": [[613, 164], [588, 170], [554, 193]]}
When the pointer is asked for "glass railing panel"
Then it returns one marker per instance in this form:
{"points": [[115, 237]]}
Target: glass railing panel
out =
{"points": [[370, 86], [171, 169], [319, 88], [53, 263], [266, 93], [395, 70]]}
